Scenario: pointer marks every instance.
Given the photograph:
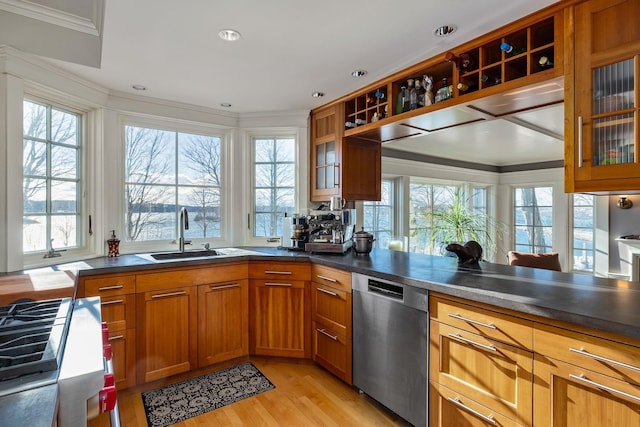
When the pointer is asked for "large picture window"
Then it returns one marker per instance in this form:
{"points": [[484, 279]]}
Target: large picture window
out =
{"points": [[426, 197], [51, 177], [165, 171], [274, 183]]}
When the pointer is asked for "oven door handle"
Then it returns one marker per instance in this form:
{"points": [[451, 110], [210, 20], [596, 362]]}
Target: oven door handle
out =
{"points": [[114, 414]]}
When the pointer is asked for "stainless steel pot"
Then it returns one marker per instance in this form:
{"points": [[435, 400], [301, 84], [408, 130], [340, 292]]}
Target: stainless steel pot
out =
{"points": [[362, 242]]}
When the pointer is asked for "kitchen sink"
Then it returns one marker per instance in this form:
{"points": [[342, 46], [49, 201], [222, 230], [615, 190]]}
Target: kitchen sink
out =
{"points": [[185, 254]]}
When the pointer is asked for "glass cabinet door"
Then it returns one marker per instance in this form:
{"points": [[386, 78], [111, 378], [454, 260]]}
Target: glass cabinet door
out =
{"points": [[325, 165], [613, 130]]}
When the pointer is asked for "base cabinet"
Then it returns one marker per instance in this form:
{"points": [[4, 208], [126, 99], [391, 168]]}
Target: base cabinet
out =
{"points": [[166, 322], [223, 321]]}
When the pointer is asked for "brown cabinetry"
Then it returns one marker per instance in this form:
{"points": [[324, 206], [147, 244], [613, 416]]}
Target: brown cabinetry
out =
{"points": [[582, 380], [331, 320], [345, 167], [117, 301], [475, 368], [280, 313], [223, 321], [602, 108]]}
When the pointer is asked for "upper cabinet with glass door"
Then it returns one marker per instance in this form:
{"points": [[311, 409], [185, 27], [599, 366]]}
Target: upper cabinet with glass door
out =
{"points": [[602, 132]]}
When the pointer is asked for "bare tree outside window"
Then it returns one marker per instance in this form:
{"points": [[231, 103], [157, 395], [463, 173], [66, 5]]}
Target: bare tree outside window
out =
{"points": [[51, 177], [533, 212], [167, 170], [273, 184]]}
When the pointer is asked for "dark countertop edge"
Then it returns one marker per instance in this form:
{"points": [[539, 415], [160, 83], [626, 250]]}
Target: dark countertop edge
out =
{"points": [[504, 300]]}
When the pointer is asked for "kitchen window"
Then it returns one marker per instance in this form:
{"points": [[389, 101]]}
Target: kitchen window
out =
{"points": [[166, 170], [533, 219], [379, 217], [583, 232], [274, 183], [52, 141], [426, 197]]}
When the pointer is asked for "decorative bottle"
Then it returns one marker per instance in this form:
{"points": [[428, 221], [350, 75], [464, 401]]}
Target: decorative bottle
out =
{"points": [[400, 100], [427, 81], [413, 95], [511, 50], [113, 243]]}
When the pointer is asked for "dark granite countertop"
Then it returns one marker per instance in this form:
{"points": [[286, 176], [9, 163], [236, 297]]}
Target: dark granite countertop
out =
{"points": [[604, 304], [32, 408]]}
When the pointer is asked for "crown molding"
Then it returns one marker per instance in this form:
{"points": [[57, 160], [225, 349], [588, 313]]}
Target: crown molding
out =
{"points": [[89, 25]]}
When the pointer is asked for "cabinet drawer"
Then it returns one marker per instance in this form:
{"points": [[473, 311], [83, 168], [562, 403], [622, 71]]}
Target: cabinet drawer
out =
{"points": [[448, 408], [190, 277], [118, 311], [280, 270], [332, 307], [607, 357], [333, 277], [490, 324], [497, 375], [332, 351], [111, 285], [123, 344]]}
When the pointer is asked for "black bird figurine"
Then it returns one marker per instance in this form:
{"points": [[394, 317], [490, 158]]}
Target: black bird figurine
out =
{"points": [[469, 253]]}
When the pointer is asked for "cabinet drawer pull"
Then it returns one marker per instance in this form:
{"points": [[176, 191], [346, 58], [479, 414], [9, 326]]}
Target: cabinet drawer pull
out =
{"points": [[110, 288], [235, 285], [456, 401], [171, 294], [603, 359], [285, 285], [475, 322], [288, 273], [117, 337], [327, 278], [115, 301], [468, 341], [324, 291], [584, 379], [325, 333], [580, 156]]}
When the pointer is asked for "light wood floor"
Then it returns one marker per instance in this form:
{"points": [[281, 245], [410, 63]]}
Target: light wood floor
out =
{"points": [[305, 395]]}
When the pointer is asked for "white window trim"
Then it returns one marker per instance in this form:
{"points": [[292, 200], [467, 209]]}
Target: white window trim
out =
{"points": [[115, 217]]}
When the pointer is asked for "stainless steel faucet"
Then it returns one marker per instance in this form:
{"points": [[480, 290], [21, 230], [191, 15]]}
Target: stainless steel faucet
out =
{"points": [[184, 225]]}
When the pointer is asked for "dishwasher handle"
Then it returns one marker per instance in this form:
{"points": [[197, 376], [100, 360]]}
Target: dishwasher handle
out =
{"points": [[386, 289]]}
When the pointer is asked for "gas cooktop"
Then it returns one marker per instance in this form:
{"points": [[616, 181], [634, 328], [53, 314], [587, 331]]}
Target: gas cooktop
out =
{"points": [[32, 335]]}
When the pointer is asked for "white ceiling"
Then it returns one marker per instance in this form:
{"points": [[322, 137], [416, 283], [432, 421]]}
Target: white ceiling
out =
{"points": [[292, 48]]}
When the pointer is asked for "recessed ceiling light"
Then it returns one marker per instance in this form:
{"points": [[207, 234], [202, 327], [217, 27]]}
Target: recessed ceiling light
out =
{"points": [[359, 73], [139, 87], [229, 35], [317, 94], [225, 105], [444, 30]]}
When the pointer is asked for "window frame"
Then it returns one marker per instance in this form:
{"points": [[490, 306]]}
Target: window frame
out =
{"points": [[514, 225], [392, 207], [177, 126]]}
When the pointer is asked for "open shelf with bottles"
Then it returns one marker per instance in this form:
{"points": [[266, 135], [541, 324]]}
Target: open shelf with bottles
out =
{"points": [[368, 107]]}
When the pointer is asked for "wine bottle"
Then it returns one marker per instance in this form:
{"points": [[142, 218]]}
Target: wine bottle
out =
{"points": [[451, 57], [444, 92], [511, 50], [413, 95], [400, 100], [420, 89], [545, 62], [490, 80], [463, 87], [379, 95]]}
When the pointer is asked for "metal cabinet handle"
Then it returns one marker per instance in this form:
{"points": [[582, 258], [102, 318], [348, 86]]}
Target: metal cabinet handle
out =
{"points": [[323, 332], [324, 291], [580, 155], [603, 359], [456, 401], [475, 322], [584, 379], [171, 294], [213, 287], [277, 272], [115, 301], [327, 278], [117, 337], [468, 341], [336, 175], [110, 288], [286, 285]]}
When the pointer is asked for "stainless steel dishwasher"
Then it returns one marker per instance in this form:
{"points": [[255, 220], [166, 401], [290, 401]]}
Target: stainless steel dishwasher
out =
{"points": [[390, 345]]}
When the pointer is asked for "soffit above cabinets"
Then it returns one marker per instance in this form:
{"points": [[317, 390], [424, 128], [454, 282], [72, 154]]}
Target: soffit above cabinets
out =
{"points": [[68, 30]]}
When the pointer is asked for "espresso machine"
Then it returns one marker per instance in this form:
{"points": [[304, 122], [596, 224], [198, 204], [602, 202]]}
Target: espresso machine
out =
{"points": [[330, 231], [295, 232]]}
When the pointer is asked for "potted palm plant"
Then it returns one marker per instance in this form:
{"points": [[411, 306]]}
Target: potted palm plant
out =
{"points": [[458, 222]]}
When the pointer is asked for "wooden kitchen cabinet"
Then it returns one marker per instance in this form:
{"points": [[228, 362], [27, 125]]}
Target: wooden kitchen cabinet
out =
{"points": [[602, 105], [117, 304], [331, 314], [472, 356], [223, 321], [582, 380], [347, 167]]}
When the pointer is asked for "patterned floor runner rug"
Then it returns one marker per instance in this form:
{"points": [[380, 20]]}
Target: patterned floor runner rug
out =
{"points": [[196, 396]]}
